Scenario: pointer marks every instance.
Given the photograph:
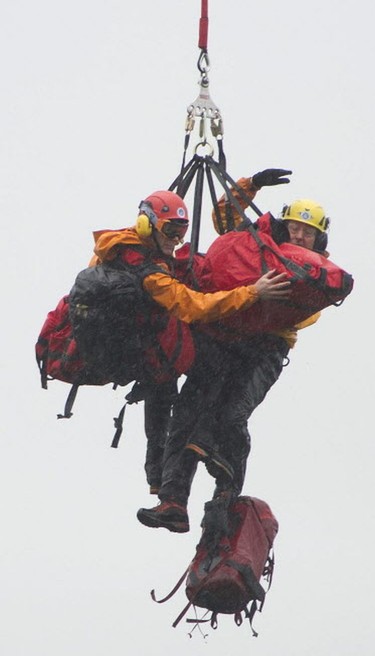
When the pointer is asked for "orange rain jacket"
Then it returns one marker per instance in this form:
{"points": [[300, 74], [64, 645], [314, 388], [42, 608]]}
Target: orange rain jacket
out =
{"points": [[180, 301], [175, 305]]}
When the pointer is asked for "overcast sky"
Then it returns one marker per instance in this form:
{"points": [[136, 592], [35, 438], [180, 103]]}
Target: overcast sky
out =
{"points": [[93, 102]]}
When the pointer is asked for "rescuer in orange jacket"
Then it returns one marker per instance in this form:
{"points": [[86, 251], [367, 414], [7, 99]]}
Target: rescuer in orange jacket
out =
{"points": [[161, 225], [225, 386]]}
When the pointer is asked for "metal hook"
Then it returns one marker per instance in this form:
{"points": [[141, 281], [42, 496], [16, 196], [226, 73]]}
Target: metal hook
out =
{"points": [[203, 62], [203, 105]]}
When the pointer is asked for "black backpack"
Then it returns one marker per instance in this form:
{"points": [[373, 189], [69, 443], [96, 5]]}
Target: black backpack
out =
{"points": [[110, 316]]}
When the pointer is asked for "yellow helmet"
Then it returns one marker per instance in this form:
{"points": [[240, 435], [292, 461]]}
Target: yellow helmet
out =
{"points": [[306, 211]]}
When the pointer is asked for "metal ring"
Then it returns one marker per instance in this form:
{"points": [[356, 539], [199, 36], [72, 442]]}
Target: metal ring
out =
{"points": [[204, 143]]}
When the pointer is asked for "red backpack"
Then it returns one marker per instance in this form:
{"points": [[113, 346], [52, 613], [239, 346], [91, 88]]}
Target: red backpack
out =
{"points": [[233, 555], [58, 356], [57, 352], [242, 257]]}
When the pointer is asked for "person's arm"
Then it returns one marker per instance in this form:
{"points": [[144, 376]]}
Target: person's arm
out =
{"points": [[189, 305], [249, 188], [266, 178]]}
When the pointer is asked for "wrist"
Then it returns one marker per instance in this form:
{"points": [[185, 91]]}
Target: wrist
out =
{"points": [[252, 186]]}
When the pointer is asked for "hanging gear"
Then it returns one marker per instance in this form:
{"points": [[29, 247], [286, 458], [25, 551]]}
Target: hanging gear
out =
{"points": [[233, 555]]}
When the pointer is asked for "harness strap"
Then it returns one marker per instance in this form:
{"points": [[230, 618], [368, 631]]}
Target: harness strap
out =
{"points": [[197, 210], [214, 200]]}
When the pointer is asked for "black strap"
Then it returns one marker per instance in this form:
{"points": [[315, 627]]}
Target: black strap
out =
{"points": [[249, 614], [249, 577], [197, 210], [215, 204], [118, 421], [42, 365], [69, 402]]}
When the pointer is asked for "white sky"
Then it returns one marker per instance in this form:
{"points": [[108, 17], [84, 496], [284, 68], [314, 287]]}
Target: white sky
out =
{"points": [[93, 104]]}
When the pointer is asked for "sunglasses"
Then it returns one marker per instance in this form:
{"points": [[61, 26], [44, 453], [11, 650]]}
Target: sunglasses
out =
{"points": [[172, 229]]}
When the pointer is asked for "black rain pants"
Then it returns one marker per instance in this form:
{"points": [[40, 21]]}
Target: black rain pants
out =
{"points": [[223, 388]]}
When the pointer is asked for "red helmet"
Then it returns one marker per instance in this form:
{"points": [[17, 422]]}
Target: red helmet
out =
{"points": [[164, 206]]}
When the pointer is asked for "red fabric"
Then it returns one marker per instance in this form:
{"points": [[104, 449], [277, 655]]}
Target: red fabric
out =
{"points": [[173, 337], [56, 349], [215, 583], [177, 347], [203, 25], [182, 272], [235, 259]]}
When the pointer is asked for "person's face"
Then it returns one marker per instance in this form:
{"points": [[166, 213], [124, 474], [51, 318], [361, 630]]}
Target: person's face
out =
{"points": [[170, 237], [301, 234]]}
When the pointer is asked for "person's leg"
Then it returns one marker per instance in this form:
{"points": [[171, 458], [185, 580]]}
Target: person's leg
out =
{"points": [[262, 361], [179, 467], [194, 421], [192, 409], [158, 406]]}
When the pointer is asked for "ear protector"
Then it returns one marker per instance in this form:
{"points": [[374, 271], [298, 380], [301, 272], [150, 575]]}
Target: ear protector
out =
{"points": [[145, 221], [321, 242]]}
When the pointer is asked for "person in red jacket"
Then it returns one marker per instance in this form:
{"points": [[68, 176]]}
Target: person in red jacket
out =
{"points": [[161, 225], [227, 383]]}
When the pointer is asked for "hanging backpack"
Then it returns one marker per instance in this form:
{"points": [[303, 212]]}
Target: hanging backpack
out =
{"points": [[233, 555], [241, 257]]}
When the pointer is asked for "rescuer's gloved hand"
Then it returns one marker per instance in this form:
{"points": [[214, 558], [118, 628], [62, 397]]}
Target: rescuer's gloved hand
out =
{"points": [[270, 177]]}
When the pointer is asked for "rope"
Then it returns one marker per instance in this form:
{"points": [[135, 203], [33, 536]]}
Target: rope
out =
{"points": [[203, 26]]}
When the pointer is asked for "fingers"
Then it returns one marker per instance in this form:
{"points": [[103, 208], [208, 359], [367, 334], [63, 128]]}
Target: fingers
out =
{"points": [[273, 285], [279, 176], [276, 293], [280, 172], [273, 277]]}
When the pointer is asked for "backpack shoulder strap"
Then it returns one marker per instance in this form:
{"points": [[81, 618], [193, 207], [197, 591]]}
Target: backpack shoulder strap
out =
{"points": [[142, 269]]}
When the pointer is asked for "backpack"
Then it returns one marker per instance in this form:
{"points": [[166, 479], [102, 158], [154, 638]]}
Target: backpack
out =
{"points": [[241, 257], [57, 353], [108, 313], [95, 334], [232, 556]]}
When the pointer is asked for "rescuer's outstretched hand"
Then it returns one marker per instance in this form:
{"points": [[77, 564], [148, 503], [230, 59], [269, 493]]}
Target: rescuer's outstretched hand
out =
{"points": [[270, 177], [273, 286]]}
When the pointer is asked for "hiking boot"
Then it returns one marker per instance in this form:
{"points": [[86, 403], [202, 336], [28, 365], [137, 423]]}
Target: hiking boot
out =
{"points": [[216, 465], [168, 514]]}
